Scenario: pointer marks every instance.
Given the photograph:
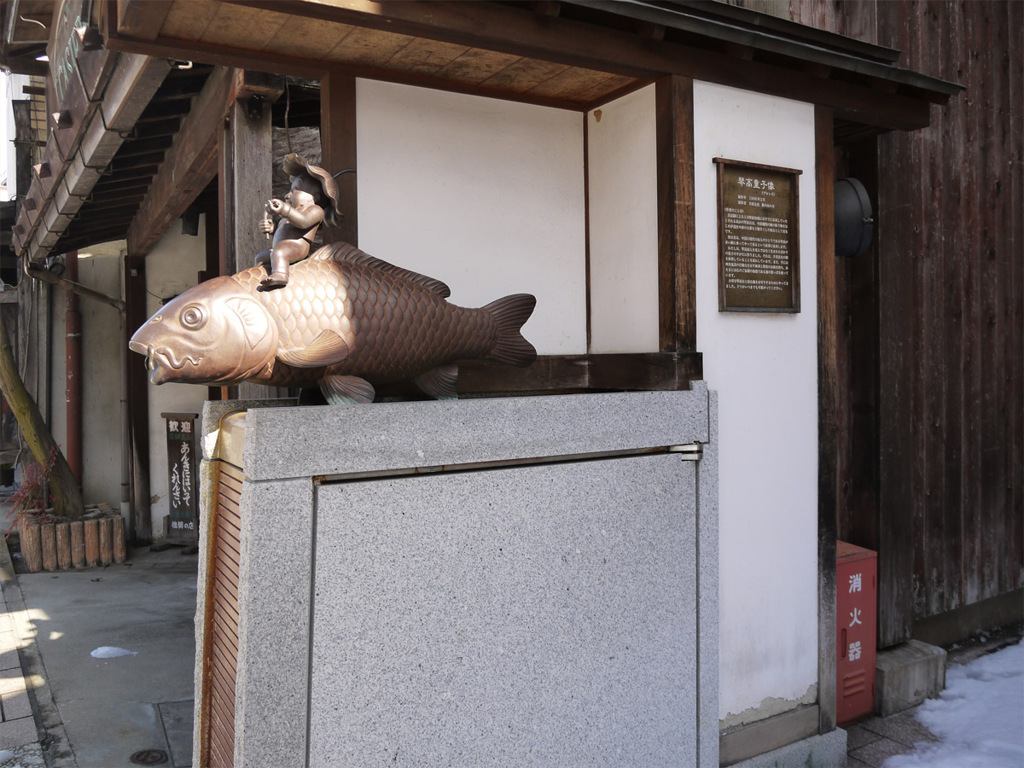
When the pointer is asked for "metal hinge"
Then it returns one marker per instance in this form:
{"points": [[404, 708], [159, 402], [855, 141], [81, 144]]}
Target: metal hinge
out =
{"points": [[688, 452]]}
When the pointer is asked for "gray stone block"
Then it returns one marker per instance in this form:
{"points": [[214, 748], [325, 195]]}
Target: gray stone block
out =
{"points": [[528, 615], [343, 440], [827, 750], [464, 620], [907, 675]]}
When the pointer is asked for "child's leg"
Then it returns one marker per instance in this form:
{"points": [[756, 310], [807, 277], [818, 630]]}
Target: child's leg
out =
{"points": [[284, 253]]}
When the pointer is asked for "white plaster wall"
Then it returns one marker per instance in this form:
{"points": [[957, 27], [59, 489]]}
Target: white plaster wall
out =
{"points": [[99, 268], [486, 195], [172, 267], [10, 86], [764, 367], [623, 188]]}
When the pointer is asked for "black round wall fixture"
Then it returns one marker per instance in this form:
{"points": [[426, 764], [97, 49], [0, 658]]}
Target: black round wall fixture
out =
{"points": [[854, 223]]}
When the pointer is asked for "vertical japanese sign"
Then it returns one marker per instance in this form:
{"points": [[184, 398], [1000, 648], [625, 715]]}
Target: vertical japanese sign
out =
{"points": [[182, 490], [758, 238]]}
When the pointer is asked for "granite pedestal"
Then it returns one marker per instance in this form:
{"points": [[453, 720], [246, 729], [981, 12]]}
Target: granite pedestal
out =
{"points": [[512, 581]]}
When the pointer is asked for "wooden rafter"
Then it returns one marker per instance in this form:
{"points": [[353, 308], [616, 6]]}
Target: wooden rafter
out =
{"points": [[189, 165]]}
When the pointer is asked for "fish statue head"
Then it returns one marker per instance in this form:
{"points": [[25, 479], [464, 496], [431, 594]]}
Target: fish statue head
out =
{"points": [[213, 332]]}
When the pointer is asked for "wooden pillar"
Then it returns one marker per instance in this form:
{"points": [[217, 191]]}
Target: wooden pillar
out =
{"points": [[676, 225], [138, 403], [246, 157], [828, 447], [338, 144]]}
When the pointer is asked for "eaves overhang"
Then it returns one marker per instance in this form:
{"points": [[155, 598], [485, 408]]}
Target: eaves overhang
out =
{"points": [[101, 158]]}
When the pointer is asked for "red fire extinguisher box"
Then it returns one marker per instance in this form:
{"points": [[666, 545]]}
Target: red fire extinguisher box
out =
{"points": [[856, 619]]}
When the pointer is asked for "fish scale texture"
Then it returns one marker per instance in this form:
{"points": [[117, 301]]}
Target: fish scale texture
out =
{"points": [[394, 327]]}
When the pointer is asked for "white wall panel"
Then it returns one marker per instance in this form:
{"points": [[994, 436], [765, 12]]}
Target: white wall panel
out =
{"points": [[764, 367], [624, 225], [483, 194]]}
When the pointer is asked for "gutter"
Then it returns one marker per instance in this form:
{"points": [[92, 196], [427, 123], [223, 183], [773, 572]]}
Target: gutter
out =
{"points": [[45, 276], [740, 26]]}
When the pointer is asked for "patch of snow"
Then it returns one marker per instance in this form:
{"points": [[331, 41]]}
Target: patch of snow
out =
{"points": [[111, 652], [979, 718]]}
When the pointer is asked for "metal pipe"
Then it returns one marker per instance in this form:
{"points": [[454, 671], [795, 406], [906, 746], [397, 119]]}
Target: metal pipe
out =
{"points": [[12, 19], [126, 434], [46, 276], [73, 371]]}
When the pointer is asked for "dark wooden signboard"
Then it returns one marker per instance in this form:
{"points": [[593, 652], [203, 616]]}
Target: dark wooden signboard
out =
{"points": [[183, 485], [758, 238]]}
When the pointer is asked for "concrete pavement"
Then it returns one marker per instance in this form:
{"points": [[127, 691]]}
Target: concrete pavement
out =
{"points": [[107, 656]]}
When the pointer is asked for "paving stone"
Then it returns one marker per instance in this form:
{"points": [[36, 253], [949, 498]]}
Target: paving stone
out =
{"points": [[16, 705], [877, 752], [853, 762], [12, 684], [9, 659], [18, 733], [903, 728], [858, 736]]}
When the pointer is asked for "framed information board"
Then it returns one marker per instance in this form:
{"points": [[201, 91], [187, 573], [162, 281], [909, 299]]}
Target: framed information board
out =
{"points": [[758, 238]]}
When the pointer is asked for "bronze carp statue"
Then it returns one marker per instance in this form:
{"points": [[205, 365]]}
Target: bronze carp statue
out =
{"points": [[345, 321]]}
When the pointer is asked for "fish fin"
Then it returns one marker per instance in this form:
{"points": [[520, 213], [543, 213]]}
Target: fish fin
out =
{"points": [[510, 313], [255, 326], [326, 349], [346, 390], [349, 253], [439, 383]]}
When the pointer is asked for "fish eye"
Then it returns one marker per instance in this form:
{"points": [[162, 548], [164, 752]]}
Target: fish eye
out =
{"points": [[193, 317]]}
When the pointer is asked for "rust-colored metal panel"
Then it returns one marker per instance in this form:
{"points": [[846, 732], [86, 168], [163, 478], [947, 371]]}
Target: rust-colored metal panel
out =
{"points": [[856, 620], [221, 653]]}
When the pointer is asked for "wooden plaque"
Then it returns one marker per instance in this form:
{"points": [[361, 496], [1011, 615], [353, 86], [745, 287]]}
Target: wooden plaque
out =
{"points": [[758, 238]]}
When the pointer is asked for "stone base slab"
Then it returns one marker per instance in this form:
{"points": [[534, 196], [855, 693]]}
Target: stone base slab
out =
{"points": [[907, 675]]}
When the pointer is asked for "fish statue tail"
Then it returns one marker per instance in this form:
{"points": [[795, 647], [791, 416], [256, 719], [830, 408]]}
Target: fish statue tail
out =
{"points": [[510, 313]]}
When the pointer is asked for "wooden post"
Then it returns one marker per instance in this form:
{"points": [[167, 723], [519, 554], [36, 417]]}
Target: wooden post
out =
{"points": [[31, 548], [120, 553], [828, 445], [92, 542], [106, 540], [338, 144], [138, 403], [48, 546], [78, 544], [63, 533], [246, 154], [677, 307]]}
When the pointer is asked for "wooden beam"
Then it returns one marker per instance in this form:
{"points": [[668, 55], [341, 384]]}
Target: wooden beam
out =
{"points": [[677, 301], [512, 30], [141, 19], [828, 436], [338, 142], [188, 167], [132, 84]]}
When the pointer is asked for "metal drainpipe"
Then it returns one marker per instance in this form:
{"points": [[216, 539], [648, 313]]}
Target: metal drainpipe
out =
{"points": [[126, 433], [50, 280], [73, 370]]}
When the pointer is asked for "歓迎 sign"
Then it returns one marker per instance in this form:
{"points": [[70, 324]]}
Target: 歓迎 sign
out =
{"points": [[758, 238], [182, 488]]}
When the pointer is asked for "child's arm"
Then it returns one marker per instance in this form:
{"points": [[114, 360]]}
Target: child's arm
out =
{"points": [[303, 218]]}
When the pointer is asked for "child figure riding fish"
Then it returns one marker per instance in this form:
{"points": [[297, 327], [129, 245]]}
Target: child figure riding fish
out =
{"points": [[313, 201]]}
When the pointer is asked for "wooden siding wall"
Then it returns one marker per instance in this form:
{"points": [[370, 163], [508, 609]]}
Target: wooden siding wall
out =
{"points": [[931, 319]]}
